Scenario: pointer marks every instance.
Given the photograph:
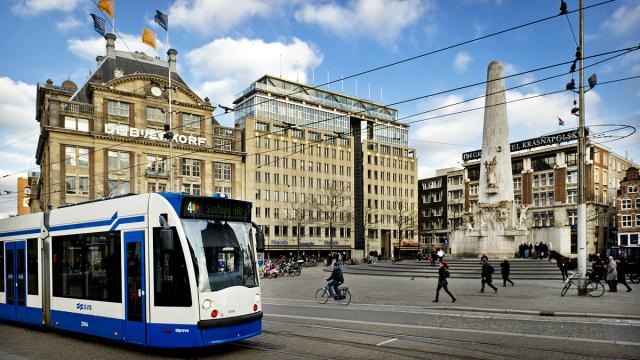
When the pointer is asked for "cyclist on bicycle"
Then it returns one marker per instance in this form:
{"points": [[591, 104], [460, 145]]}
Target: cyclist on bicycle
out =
{"points": [[336, 279]]}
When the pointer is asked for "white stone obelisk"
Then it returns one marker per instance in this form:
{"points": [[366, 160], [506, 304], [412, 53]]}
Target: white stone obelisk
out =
{"points": [[496, 179]]}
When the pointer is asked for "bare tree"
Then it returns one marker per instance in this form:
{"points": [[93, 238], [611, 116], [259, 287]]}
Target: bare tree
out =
{"points": [[301, 215], [332, 210], [405, 221]]}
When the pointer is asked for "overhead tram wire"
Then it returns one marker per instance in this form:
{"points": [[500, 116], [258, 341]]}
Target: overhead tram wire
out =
{"points": [[334, 137], [449, 47], [359, 73], [19, 140]]}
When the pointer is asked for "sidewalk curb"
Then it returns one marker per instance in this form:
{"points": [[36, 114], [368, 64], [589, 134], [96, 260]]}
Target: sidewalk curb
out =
{"points": [[537, 313]]}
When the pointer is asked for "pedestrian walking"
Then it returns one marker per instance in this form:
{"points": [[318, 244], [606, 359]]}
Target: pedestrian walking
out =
{"points": [[505, 270], [487, 272], [620, 268], [612, 275], [443, 274]]}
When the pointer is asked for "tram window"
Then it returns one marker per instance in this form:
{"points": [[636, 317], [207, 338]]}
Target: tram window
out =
{"points": [[32, 266], [1, 266], [171, 280], [87, 266]]}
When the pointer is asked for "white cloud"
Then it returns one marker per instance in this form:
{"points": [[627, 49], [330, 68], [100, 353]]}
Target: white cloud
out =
{"points": [[35, 7], [17, 106], [92, 47], [69, 23], [461, 61], [623, 19], [215, 17], [384, 20], [224, 66]]}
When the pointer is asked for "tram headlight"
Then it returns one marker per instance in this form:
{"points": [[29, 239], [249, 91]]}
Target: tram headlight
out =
{"points": [[257, 297], [206, 304]]}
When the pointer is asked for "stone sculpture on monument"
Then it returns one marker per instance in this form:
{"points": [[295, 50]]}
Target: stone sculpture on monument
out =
{"points": [[497, 232]]}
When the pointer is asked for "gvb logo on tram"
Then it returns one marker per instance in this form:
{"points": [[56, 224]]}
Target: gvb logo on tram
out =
{"points": [[140, 269]]}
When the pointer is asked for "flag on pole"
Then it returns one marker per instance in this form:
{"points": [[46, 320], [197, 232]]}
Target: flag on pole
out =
{"points": [[98, 24], [106, 6], [560, 121], [149, 37], [162, 19]]}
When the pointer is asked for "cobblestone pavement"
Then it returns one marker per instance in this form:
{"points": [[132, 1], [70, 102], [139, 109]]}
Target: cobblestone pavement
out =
{"points": [[390, 318]]}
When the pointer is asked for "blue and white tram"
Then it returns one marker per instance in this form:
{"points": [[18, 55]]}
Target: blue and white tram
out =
{"points": [[162, 270]]}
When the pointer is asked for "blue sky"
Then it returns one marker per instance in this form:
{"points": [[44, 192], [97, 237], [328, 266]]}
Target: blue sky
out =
{"points": [[223, 45]]}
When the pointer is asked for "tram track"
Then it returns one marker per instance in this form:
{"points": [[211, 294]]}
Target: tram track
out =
{"points": [[466, 345]]}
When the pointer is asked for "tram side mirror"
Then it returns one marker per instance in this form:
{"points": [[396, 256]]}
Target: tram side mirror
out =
{"points": [[166, 234], [259, 238]]}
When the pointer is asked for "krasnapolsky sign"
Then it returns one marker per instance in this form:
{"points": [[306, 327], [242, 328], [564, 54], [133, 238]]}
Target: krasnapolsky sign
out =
{"points": [[531, 143]]}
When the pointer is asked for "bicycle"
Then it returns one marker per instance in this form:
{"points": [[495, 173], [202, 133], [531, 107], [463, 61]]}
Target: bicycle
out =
{"points": [[593, 287], [323, 295]]}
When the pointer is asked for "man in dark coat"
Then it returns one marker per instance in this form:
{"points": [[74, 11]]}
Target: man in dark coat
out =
{"points": [[487, 272], [620, 267], [505, 270]]}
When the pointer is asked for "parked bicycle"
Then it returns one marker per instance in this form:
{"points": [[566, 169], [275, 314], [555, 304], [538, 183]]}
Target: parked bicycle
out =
{"points": [[323, 295], [592, 285]]}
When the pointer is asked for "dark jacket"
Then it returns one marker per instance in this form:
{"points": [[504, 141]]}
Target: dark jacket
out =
{"points": [[336, 275], [442, 276], [621, 271], [505, 268], [486, 272]]}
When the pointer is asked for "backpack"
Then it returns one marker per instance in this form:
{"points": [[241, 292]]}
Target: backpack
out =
{"points": [[491, 269]]}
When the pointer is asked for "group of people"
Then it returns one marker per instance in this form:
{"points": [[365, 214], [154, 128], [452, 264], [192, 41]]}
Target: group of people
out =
{"points": [[486, 275], [526, 250], [436, 255]]}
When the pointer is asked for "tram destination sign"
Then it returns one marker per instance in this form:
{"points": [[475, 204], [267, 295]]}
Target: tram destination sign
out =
{"points": [[552, 139], [215, 209]]}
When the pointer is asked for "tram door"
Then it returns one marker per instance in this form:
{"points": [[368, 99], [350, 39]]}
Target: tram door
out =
{"points": [[135, 317], [16, 289]]}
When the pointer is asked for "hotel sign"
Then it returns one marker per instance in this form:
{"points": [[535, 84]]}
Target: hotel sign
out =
{"points": [[152, 134], [531, 143]]}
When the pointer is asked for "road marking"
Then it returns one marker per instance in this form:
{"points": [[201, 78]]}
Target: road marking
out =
{"points": [[386, 342], [441, 329]]}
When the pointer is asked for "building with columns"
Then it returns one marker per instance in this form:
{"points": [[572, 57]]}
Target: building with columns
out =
{"points": [[106, 137], [545, 183]]}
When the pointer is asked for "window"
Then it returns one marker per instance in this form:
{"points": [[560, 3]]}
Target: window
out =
{"points": [[117, 187], [118, 160], [260, 126], [87, 266], [572, 177], [76, 156], [83, 185], [517, 183], [626, 220], [517, 167], [225, 144], [74, 123], [191, 120], [224, 190], [171, 281], [625, 204], [156, 114], [118, 108], [572, 196], [637, 219], [32, 266], [190, 167], [632, 188], [543, 163], [156, 165], [70, 185], [473, 189], [193, 189], [572, 215], [571, 159], [223, 172]]}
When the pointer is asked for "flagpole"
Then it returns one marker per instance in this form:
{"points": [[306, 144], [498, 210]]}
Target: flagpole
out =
{"points": [[170, 123]]}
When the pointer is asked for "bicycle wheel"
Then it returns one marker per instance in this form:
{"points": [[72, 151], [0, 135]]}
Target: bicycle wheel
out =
{"points": [[346, 298], [634, 278], [594, 288], [322, 296], [566, 288]]}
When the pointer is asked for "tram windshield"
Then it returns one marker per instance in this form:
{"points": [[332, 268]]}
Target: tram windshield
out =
{"points": [[222, 253]]}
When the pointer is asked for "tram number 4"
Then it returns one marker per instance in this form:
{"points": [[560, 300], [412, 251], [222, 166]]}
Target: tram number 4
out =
{"points": [[84, 323]]}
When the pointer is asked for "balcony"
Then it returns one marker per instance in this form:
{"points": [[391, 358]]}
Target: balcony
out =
{"points": [[157, 173], [75, 108]]}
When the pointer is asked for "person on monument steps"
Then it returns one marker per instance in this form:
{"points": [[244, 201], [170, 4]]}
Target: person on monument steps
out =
{"points": [[487, 272]]}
